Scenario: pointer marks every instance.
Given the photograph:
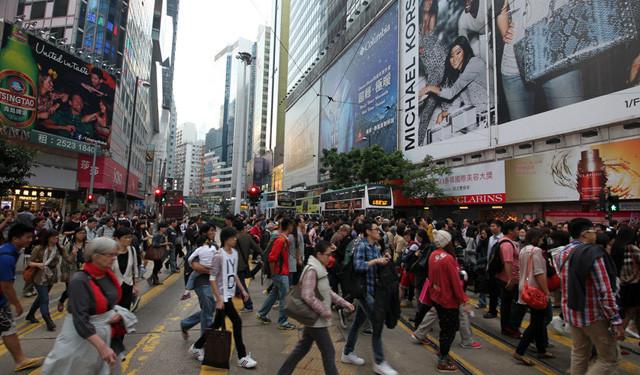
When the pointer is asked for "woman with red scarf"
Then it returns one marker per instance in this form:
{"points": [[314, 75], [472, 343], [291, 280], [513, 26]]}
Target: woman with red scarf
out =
{"points": [[93, 293]]}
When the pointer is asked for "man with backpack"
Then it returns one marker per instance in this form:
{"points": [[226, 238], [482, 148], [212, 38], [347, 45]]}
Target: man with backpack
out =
{"points": [[504, 267], [367, 259], [277, 266]]}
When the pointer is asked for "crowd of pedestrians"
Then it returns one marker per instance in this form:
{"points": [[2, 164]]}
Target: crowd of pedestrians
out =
{"points": [[364, 269]]}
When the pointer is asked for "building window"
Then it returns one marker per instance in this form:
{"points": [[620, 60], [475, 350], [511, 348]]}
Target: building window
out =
{"points": [[60, 8], [37, 10]]}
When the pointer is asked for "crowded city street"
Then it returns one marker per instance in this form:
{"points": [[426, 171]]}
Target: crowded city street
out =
{"points": [[317, 187]]}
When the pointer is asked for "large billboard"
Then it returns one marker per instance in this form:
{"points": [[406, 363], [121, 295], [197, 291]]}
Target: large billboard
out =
{"points": [[359, 91], [576, 174], [536, 68], [301, 139], [43, 89], [446, 87]]}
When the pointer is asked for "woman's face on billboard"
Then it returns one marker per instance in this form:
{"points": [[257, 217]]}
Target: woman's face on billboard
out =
{"points": [[456, 57]]}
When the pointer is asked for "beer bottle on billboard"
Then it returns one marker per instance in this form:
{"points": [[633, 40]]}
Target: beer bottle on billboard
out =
{"points": [[18, 82]]}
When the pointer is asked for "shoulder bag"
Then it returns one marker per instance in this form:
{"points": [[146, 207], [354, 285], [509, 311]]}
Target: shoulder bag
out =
{"points": [[532, 296], [573, 34], [217, 346], [297, 308]]}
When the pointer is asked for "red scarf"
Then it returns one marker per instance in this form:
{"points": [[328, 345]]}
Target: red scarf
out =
{"points": [[102, 304]]}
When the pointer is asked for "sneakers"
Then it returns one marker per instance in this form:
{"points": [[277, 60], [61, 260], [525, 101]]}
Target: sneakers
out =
{"points": [[247, 362], [472, 345], [246, 310], [444, 365], [196, 353], [367, 331], [418, 340], [490, 315], [351, 359], [185, 296], [343, 318], [263, 319], [384, 369], [287, 326]]}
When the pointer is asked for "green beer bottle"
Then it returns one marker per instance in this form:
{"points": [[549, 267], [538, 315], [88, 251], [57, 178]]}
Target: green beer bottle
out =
{"points": [[18, 82]]}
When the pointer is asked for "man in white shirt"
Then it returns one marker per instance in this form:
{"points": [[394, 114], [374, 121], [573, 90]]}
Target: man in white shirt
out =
{"points": [[496, 234]]}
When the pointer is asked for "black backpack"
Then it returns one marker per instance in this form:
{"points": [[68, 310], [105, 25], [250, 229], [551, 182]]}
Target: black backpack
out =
{"points": [[495, 264], [352, 282]]}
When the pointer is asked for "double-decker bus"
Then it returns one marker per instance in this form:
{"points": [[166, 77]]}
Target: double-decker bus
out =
{"points": [[307, 203], [278, 202], [370, 199]]}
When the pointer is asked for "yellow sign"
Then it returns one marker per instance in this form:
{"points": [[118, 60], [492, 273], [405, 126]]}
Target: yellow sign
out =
{"points": [[380, 202]]}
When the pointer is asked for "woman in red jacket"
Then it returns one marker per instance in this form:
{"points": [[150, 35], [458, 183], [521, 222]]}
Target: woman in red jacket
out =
{"points": [[446, 294]]}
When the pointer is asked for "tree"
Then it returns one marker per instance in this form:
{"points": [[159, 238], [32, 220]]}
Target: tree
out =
{"points": [[360, 166], [421, 181], [15, 166]]}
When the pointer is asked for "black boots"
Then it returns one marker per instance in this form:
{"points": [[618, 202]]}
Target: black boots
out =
{"points": [[31, 318]]}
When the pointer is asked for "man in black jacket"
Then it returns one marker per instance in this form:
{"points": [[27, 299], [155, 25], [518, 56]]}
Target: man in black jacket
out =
{"points": [[246, 246]]}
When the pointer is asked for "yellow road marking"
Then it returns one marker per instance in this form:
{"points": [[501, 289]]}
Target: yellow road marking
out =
{"points": [[453, 355]]}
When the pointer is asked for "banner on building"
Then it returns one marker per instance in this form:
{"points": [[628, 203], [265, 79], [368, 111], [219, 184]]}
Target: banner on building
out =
{"points": [[109, 175], [576, 174], [446, 95], [474, 184], [360, 91], [547, 78], [46, 89]]}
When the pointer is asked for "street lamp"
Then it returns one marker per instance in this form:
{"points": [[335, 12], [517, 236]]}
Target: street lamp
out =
{"points": [[365, 138], [144, 83]]}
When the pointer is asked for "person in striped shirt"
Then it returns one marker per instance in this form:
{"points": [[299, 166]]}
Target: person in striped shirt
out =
{"points": [[588, 281]]}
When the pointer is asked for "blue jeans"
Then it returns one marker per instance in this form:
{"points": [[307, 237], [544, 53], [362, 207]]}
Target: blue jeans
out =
{"points": [[364, 310], [41, 301], [279, 291], [559, 91], [173, 265], [205, 315]]}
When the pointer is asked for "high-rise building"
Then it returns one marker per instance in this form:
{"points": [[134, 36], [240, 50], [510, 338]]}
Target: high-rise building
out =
{"points": [[278, 91], [189, 159], [173, 7], [216, 185], [261, 101], [96, 27], [237, 87], [213, 141], [313, 28]]}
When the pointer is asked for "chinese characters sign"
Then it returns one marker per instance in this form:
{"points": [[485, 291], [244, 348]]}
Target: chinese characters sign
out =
{"points": [[475, 184], [108, 175]]}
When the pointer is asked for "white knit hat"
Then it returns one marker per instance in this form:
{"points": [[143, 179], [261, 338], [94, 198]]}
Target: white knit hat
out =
{"points": [[441, 238]]}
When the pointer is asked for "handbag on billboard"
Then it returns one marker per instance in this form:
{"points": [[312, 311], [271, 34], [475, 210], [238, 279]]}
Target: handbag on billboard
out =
{"points": [[573, 34], [217, 346]]}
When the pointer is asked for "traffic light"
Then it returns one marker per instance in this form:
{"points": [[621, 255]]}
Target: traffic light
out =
{"points": [[90, 198], [254, 193], [613, 203], [158, 194]]}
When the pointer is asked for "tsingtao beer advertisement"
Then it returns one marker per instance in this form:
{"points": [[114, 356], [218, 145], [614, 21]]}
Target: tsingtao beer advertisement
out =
{"points": [[45, 89], [576, 174]]}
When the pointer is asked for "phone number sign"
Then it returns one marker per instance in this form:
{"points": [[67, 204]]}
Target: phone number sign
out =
{"points": [[62, 142]]}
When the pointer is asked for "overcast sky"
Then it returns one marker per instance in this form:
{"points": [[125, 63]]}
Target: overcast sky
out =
{"points": [[204, 28]]}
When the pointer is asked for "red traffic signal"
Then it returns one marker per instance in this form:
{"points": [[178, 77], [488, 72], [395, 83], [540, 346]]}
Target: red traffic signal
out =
{"points": [[90, 198], [158, 192], [253, 191]]}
